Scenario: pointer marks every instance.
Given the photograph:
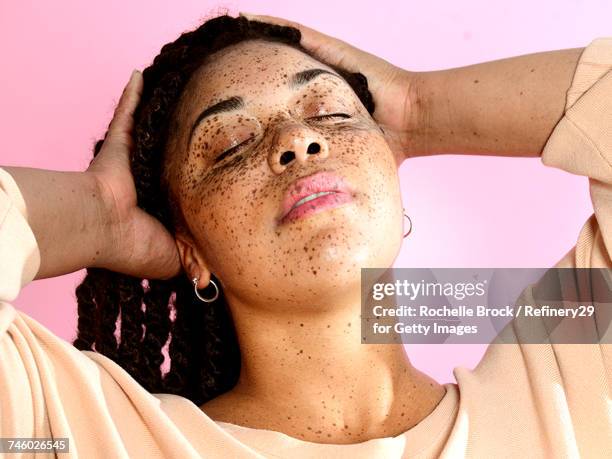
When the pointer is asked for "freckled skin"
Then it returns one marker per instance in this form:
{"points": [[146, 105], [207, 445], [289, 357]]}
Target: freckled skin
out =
{"points": [[243, 191], [293, 289]]}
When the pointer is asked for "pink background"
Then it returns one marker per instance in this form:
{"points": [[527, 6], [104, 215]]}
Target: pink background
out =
{"points": [[64, 64]]}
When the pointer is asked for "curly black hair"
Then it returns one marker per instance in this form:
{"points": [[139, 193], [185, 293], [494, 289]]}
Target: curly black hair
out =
{"points": [[203, 350]]}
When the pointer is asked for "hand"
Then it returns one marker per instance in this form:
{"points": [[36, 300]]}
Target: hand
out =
{"points": [[139, 244], [392, 88]]}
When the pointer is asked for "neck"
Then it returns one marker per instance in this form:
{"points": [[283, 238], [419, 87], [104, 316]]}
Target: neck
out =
{"points": [[308, 369]]}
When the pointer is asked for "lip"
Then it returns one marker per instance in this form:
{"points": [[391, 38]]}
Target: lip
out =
{"points": [[314, 183]]}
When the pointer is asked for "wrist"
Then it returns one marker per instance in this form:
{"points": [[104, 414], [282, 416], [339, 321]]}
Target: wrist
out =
{"points": [[398, 115], [429, 124], [417, 114], [109, 228]]}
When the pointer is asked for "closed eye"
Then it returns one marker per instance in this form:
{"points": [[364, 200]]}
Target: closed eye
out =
{"points": [[234, 149], [330, 116]]}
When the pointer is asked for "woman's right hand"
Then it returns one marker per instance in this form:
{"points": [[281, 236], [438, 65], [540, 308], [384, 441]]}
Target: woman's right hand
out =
{"points": [[393, 89], [140, 245]]}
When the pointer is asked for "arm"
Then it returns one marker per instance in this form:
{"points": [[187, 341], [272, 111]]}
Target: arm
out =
{"points": [[91, 218], [506, 107], [67, 215]]}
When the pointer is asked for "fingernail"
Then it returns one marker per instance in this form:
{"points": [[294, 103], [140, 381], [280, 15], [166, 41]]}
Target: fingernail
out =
{"points": [[244, 14], [133, 76]]}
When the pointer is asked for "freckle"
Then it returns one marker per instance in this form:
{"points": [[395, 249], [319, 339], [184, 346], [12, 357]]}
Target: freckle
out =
{"points": [[532, 70], [475, 81], [521, 93], [301, 325]]}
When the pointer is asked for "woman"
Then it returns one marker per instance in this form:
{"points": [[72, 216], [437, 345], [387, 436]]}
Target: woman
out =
{"points": [[202, 211]]}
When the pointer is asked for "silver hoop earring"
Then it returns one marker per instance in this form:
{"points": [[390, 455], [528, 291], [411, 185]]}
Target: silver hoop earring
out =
{"points": [[410, 220], [205, 300]]}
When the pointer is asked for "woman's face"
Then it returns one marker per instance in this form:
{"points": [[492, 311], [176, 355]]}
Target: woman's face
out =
{"points": [[252, 120]]}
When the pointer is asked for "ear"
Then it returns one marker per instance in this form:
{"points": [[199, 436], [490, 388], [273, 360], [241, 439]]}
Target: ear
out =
{"points": [[192, 260]]}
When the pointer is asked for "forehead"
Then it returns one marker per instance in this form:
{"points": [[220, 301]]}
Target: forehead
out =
{"points": [[249, 69]]}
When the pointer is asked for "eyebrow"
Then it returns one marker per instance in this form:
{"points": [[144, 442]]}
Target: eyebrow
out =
{"points": [[227, 105], [303, 77], [236, 102]]}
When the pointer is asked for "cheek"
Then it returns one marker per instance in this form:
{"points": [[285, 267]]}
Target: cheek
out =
{"points": [[376, 168], [364, 150], [226, 208], [233, 210]]}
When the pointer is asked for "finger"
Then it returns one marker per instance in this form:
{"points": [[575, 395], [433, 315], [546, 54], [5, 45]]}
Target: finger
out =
{"points": [[312, 40], [121, 125]]}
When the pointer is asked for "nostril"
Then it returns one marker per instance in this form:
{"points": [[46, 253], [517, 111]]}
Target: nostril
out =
{"points": [[314, 148], [287, 157]]}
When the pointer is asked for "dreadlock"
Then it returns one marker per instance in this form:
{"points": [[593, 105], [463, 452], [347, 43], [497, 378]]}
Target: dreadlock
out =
{"points": [[203, 350]]}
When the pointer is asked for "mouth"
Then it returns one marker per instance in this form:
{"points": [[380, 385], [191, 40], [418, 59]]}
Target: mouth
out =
{"points": [[312, 194]]}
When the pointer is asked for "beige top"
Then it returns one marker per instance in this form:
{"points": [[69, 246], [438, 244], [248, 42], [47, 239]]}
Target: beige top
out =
{"points": [[522, 400]]}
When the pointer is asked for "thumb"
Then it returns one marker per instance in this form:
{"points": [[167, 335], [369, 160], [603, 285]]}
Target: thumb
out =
{"points": [[118, 141]]}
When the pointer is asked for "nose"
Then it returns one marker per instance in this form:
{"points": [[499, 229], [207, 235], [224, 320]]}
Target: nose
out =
{"points": [[296, 142]]}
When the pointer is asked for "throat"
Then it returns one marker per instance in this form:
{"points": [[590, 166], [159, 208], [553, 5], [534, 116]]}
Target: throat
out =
{"points": [[339, 414]]}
